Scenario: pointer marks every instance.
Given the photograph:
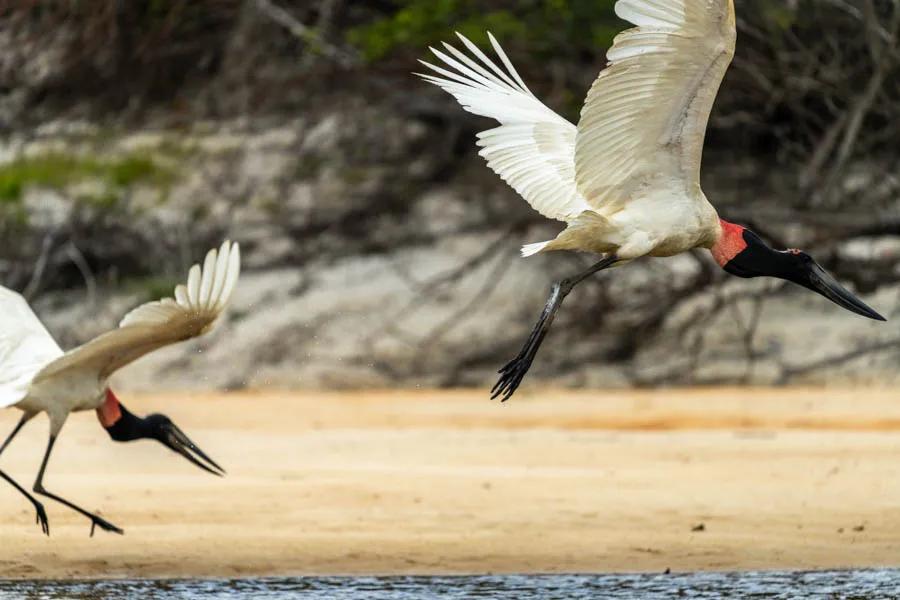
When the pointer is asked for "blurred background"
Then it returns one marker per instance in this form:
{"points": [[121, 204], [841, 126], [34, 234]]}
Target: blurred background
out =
{"points": [[379, 250]]}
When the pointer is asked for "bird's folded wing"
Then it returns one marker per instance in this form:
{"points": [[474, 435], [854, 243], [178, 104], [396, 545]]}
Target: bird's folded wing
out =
{"points": [[193, 311], [25, 347], [533, 150], [645, 117]]}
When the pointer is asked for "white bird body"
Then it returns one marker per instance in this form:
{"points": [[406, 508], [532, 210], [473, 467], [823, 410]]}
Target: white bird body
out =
{"points": [[59, 396], [626, 180], [655, 223]]}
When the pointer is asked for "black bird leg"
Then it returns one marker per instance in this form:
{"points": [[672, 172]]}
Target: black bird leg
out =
{"points": [[39, 488], [41, 517], [513, 372]]}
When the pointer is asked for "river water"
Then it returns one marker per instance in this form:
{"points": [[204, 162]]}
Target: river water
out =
{"points": [[831, 585]]}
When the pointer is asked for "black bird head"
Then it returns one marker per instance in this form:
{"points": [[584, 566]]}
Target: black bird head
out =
{"points": [[123, 426], [742, 253]]}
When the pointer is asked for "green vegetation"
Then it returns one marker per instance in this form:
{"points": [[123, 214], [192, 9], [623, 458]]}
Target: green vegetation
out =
{"points": [[132, 169], [56, 170], [547, 25], [424, 22]]}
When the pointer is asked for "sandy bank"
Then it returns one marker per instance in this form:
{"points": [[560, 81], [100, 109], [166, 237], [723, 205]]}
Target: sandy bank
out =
{"points": [[448, 482]]}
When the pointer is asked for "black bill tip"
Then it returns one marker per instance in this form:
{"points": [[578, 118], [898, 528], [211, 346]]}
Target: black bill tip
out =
{"points": [[182, 444], [822, 282]]}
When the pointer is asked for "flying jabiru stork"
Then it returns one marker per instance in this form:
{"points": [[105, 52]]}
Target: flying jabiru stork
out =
{"points": [[626, 180], [36, 376]]}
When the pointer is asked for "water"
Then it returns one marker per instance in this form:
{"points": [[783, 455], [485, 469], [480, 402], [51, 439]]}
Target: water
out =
{"points": [[831, 585]]}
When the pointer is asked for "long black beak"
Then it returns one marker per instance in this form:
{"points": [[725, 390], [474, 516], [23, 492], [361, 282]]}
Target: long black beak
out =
{"points": [[175, 439], [819, 280]]}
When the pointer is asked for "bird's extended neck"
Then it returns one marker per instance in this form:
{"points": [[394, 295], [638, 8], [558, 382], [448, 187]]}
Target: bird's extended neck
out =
{"points": [[120, 424], [731, 242]]}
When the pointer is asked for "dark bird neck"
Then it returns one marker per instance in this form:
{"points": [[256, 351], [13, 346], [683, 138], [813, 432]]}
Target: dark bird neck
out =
{"points": [[119, 422], [128, 428]]}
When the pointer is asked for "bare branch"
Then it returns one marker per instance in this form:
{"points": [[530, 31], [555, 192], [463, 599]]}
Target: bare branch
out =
{"points": [[309, 36]]}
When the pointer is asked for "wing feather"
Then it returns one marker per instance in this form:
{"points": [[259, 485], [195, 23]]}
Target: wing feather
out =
{"points": [[193, 286], [231, 277], [25, 347], [533, 149], [209, 274], [645, 118], [221, 272], [191, 313], [181, 294]]}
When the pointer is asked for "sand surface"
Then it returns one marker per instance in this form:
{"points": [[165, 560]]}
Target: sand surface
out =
{"points": [[448, 482]]}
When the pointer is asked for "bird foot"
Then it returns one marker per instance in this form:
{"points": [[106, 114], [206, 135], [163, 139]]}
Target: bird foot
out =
{"points": [[41, 518], [511, 376], [104, 525]]}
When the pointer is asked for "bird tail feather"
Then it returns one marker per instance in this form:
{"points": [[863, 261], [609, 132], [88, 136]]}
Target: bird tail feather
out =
{"points": [[587, 233], [532, 249]]}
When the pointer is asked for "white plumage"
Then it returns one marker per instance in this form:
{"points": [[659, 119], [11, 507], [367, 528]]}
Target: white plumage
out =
{"points": [[35, 375], [626, 179], [645, 117], [532, 149], [26, 347]]}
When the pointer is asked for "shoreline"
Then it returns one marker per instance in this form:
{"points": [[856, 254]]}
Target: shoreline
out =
{"points": [[446, 482]]}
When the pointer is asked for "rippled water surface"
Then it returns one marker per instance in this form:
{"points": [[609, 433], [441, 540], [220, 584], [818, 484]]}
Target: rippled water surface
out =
{"points": [[868, 584]]}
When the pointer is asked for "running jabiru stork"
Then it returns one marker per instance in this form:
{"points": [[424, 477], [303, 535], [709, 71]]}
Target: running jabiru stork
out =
{"points": [[37, 376], [626, 179]]}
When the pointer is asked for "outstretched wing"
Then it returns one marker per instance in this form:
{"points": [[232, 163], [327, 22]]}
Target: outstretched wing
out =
{"points": [[25, 347], [533, 150], [645, 117], [192, 312]]}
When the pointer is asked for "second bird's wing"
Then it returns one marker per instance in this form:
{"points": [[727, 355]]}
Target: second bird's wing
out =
{"points": [[25, 347], [192, 312], [645, 117], [533, 150]]}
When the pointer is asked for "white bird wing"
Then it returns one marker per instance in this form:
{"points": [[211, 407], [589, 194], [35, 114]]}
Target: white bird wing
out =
{"points": [[645, 117], [25, 347], [192, 312], [533, 150]]}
